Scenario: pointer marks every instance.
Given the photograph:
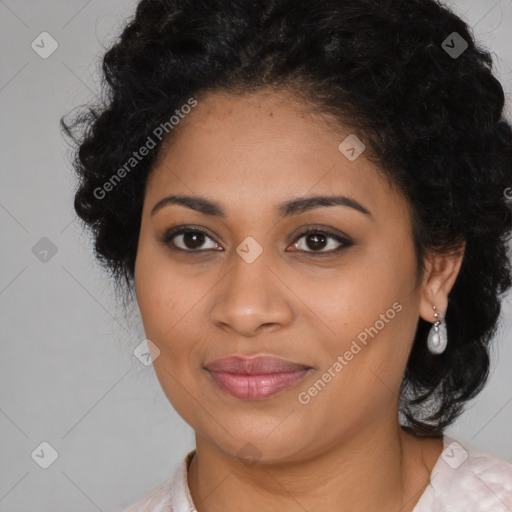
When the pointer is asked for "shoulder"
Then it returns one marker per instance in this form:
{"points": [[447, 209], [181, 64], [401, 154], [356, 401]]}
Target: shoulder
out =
{"points": [[155, 501], [465, 478], [170, 496]]}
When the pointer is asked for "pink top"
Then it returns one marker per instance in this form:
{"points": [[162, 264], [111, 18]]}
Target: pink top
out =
{"points": [[462, 480]]}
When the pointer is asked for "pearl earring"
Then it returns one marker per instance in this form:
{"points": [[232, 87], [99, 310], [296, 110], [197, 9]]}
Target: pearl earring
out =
{"points": [[437, 337]]}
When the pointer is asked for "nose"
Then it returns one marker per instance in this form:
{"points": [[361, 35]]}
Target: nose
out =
{"points": [[251, 297]]}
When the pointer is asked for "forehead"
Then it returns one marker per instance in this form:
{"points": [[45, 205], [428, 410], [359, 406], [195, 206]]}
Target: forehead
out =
{"points": [[261, 148]]}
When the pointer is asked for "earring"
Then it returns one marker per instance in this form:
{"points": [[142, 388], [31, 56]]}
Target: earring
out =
{"points": [[437, 337]]}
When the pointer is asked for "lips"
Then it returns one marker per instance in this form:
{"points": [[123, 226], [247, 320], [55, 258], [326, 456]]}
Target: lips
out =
{"points": [[255, 366], [256, 378]]}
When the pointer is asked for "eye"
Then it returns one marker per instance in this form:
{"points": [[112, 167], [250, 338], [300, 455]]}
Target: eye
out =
{"points": [[318, 239], [188, 239], [191, 238]]}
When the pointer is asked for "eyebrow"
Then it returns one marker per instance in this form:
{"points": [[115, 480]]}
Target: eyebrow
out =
{"points": [[286, 209]]}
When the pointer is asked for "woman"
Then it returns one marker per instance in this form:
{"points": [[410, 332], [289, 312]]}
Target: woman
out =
{"points": [[307, 200]]}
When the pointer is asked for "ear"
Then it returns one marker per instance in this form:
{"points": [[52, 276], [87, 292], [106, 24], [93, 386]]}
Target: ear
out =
{"points": [[441, 271]]}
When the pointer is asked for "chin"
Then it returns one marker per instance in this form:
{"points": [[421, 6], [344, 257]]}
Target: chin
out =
{"points": [[254, 444]]}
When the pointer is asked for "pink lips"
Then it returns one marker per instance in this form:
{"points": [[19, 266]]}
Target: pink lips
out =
{"points": [[256, 378]]}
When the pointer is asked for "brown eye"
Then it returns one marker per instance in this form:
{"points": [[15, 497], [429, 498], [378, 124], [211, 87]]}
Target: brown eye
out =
{"points": [[187, 239], [193, 239], [316, 240]]}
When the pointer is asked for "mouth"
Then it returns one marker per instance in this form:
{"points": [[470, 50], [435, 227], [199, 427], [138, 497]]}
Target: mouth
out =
{"points": [[256, 378]]}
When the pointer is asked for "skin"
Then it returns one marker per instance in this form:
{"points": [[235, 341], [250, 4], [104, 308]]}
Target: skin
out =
{"points": [[344, 450]]}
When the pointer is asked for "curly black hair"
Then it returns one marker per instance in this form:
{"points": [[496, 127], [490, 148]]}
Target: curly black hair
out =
{"points": [[422, 98]]}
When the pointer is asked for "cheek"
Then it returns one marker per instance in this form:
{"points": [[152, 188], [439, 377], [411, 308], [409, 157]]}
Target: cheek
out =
{"points": [[171, 301], [369, 315], [166, 306], [354, 298], [161, 296]]}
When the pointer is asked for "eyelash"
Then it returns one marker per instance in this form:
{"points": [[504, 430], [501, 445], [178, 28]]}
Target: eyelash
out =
{"points": [[179, 230]]}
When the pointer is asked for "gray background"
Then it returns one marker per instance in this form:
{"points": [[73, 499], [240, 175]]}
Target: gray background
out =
{"points": [[67, 373]]}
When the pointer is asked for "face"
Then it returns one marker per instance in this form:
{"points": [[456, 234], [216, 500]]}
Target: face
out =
{"points": [[339, 300]]}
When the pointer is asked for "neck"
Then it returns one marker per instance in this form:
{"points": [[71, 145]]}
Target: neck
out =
{"points": [[373, 469]]}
